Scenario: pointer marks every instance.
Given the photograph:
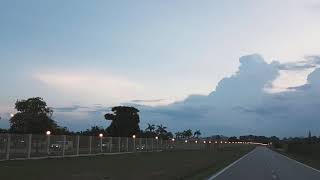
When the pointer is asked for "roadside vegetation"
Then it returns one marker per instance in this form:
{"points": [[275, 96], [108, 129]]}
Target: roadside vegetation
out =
{"points": [[303, 149], [152, 165]]}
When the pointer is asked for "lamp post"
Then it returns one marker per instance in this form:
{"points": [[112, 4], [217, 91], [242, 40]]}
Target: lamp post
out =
{"points": [[157, 138], [48, 133], [134, 142], [101, 136]]}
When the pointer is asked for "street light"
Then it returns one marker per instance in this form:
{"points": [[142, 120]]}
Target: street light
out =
{"points": [[172, 139], [11, 115], [100, 135], [133, 136], [204, 142], [48, 133], [196, 141], [185, 141], [157, 137]]}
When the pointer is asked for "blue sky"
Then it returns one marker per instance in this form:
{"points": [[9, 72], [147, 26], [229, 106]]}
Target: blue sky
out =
{"points": [[89, 53]]}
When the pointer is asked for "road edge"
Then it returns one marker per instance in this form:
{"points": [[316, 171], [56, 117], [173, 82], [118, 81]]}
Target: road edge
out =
{"points": [[307, 166], [230, 165]]}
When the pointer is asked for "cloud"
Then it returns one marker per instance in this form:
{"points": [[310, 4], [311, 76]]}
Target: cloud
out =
{"points": [[91, 87], [240, 104]]}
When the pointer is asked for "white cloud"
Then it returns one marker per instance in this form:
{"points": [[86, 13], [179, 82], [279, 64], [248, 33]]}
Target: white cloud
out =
{"points": [[288, 79], [91, 87]]}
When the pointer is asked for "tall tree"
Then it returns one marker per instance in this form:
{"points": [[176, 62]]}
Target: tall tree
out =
{"points": [[33, 116], [125, 121]]}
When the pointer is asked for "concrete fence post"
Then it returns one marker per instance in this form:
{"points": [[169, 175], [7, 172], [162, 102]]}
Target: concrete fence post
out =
{"points": [[64, 145], [146, 144], [90, 144], [152, 144], [119, 143], [127, 144], [8, 146], [110, 144], [134, 144], [29, 145], [78, 145]]}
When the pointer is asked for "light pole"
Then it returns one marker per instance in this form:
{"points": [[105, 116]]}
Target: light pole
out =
{"points": [[134, 143], [48, 133], [101, 136]]}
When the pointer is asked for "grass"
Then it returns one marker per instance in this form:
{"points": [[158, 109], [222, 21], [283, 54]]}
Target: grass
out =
{"points": [[310, 160], [152, 165]]}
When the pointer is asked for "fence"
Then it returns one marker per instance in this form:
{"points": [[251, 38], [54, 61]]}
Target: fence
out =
{"points": [[35, 146]]}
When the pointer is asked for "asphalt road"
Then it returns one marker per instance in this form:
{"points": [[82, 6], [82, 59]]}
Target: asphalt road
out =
{"points": [[265, 164]]}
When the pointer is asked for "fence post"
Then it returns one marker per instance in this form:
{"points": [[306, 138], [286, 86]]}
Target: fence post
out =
{"points": [[140, 144], [48, 145], [90, 143], [146, 144], [134, 144], [151, 144], [78, 145], [127, 144], [101, 144], [64, 145], [8, 146], [119, 143], [29, 145], [110, 144]]}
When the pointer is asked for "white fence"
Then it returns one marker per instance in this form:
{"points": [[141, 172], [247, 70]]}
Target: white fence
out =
{"points": [[34, 146]]}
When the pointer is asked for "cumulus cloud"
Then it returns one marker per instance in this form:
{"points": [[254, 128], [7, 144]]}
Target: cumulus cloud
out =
{"points": [[240, 103]]}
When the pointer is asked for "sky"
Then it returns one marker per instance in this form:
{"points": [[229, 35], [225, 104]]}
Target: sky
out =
{"points": [[83, 57]]}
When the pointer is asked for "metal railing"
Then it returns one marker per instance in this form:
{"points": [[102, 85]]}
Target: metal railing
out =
{"points": [[35, 146]]}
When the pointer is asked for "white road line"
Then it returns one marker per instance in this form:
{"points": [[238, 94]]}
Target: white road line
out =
{"points": [[223, 170], [299, 162]]}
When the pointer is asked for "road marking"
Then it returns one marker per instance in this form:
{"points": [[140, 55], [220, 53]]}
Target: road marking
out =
{"points": [[273, 174], [299, 162], [223, 170]]}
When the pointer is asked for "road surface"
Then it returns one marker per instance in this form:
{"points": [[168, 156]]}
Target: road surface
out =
{"points": [[265, 164]]}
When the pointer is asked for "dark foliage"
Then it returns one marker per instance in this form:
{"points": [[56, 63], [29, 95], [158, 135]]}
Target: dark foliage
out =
{"points": [[33, 116], [125, 121]]}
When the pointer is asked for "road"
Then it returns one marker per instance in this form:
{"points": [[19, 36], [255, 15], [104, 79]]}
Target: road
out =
{"points": [[265, 164]]}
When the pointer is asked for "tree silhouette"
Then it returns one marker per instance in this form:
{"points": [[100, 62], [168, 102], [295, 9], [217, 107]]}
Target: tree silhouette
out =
{"points": [[33, 116], [150, 128], [125, 121], [197, 133], [187, 133]]}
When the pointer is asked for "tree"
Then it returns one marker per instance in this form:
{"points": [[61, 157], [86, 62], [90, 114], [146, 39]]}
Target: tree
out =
{"points": [[125, 121], [233, 139], [33, 116], [94, 131], [197, 133], [162, 132], [150, 128], [187, 133]]}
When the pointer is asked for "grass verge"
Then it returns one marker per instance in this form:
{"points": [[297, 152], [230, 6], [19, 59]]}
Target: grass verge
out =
{"points": [[153, 165]]}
